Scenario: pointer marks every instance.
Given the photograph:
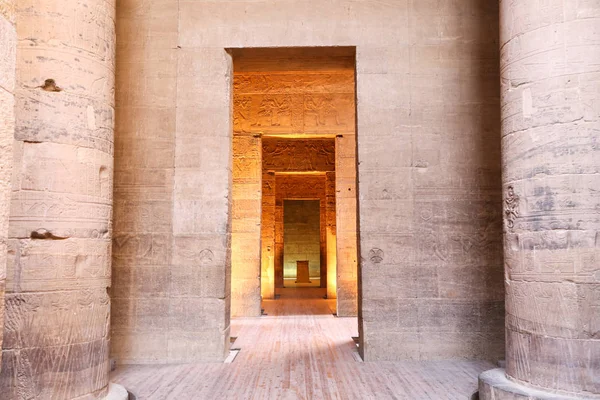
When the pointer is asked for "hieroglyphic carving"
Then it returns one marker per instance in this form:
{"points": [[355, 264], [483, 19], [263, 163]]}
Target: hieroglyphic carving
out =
{"points": [[300, 187], [376, 255], [511, 207], [321, 110], [283, 103], [298, 155], [274, 111], [205, 257], [271, 82], [241, 113]]}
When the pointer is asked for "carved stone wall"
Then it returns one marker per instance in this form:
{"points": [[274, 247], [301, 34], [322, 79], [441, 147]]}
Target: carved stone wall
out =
{"points": [[429, 183], [245, 227], [429, 175], [551, 176], [346, 235], [8, 48], [297, 155], [172, 189], [293, 92], [144, 183], [267, 236], [330, 232], [56, 328]]}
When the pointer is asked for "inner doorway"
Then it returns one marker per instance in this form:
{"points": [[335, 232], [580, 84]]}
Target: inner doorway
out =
{"points": [[302, 240], [294, 147]]}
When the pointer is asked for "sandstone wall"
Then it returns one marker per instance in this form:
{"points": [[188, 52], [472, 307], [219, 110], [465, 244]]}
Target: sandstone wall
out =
{"points": [[56, 329], [267, 236], [172, 185], [427, 143], [8, 47], [245, 226], [330, 235], [550, 58], [346, 218], [429, 183]]}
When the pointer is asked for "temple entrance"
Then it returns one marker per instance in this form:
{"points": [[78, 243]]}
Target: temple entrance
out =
{"points": [[294, 181]]}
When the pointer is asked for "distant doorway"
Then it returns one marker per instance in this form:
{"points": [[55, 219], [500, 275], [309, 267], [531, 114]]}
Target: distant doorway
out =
{"points": [[302, 244], [294, 178]]}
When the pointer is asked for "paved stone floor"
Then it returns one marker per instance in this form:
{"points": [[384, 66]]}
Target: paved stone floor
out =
{"points": [[301, 351]]}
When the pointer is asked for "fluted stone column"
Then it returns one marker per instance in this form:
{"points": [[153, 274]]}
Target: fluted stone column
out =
{"points": [[56, 329], [8, 43], [550, 70]]}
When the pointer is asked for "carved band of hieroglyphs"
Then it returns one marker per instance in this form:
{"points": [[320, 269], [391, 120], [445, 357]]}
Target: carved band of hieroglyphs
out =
{"points": [[284, 155], [294, 103]]}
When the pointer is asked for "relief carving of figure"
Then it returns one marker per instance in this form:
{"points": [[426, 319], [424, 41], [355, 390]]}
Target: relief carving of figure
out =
{"points": [[511, 207], [322, 110], [273, 111], [241, 112]]}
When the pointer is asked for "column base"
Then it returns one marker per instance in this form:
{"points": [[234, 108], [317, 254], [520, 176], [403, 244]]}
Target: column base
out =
{"points": [[116, 392], [494, 385]]}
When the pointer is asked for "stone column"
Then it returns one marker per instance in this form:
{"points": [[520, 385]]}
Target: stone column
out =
{"points": [[8, 45], [56, 329], [550, 70], [331, 242], [267, 276]]}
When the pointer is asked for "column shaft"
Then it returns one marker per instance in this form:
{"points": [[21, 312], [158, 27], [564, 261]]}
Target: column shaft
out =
{"points": [[550, 71], [8, 46], [56, 329]]}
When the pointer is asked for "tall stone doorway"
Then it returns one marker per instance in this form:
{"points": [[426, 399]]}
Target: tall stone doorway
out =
{"points": [[293, 175]]}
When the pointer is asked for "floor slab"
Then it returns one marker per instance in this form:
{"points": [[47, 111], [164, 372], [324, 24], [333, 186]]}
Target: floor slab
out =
{"points": [[301, 351]]}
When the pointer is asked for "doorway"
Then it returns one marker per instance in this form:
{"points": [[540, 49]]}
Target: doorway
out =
{"points": [[302, 244], [294, 169]]}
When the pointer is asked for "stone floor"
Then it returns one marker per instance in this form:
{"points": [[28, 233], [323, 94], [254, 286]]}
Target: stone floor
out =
{"points": [[301, 351]]}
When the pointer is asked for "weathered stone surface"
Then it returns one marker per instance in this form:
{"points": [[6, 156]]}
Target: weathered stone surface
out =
{"points": [[429, 180], [267, 235], [346, 220], [550, 123], [494, 384], [245, 226], [330, 231], [172, 182], [57, 307], [8, 48], [295, 155], [427, 143]]}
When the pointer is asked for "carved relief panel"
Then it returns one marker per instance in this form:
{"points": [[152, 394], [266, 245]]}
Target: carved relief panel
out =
{"points": [[285, 155], [283, 103]]}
